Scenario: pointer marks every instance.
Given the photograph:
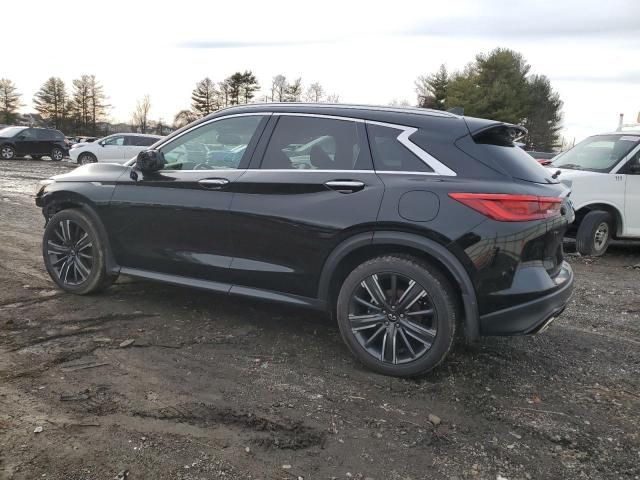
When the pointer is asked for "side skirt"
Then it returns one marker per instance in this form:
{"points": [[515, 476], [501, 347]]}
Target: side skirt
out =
{"points": [[220, 287]]}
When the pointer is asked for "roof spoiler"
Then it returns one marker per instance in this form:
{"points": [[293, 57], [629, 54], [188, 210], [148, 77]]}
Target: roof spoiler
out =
{"points": [[504, 134]]}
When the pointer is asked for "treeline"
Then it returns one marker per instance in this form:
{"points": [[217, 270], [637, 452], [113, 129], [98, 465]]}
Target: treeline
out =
{"points": [[242, 87], [498, 86], [79, 109]]}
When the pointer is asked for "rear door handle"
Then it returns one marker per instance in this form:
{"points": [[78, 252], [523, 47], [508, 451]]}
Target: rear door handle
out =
{"points": [[345, 186], [213, 183]]}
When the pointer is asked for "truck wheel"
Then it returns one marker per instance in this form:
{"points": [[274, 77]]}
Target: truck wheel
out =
{"points": [[594, 233]]}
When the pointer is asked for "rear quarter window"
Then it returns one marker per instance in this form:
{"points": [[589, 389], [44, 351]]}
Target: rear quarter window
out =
{"points": [[496, 150]]}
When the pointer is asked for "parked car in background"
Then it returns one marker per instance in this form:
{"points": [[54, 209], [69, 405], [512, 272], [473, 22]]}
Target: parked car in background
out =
{"points": [[116, 148], [603, 172], [406, 224], [35, 142], [543, 158]]}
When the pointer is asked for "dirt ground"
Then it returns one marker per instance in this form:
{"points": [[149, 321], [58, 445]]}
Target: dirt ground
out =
{"points": [[221, 387]]}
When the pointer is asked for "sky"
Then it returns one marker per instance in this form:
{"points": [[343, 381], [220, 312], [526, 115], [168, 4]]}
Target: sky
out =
{"points": [[365, 51]]}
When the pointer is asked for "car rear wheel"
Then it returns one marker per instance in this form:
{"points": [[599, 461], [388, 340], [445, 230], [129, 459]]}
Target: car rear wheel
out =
{"points": [[85, 158], [74, 253], [7, 152], [594, 233], [57, 154], [397, 315]]}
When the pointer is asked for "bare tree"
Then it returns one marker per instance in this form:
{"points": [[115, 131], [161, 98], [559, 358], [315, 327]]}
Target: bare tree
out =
{"points": [[333, 98], [279, 88], [315, 93], [140, 118]]}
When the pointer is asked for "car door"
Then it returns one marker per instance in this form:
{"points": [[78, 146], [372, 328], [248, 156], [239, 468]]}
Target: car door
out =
{"points": [[311, 186], [112, 149], [173, 222], [632, 195], [134, 144], [26, 142]]}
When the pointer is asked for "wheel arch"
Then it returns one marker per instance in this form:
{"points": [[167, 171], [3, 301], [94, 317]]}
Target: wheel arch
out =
{"points": [[63, 200], [612, 209], [359, 248]]}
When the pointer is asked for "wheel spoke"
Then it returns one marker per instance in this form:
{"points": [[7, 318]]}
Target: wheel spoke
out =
{"points": [[83, 243], [383, 350], [375, 335], [372, 285], [394, 289], [410, 296], [407, 343], [364, 322], [394, 336], [55, 248], [419, 333], [426, 311], [82, 268], [367, 304], [66, 233], [64, 271]]}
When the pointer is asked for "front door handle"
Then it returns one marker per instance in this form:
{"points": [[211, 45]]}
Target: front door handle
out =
{"points": [[213, 183], [345, 186]]}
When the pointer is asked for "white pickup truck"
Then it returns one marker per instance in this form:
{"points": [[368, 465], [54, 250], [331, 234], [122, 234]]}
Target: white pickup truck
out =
{"points": [[603, 172]]}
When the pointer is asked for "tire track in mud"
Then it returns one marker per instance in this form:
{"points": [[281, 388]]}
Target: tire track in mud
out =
{"points": [[284, 435]]}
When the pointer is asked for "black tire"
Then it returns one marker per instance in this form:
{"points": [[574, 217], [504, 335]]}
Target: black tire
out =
{"points": [[594, 233], [7, 152], [57, 154], [86, 157], [404, 359], [65, 246]]}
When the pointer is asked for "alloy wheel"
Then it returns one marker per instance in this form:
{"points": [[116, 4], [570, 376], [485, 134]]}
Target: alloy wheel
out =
{"points": [[7, 153], [57, 154], [85, 159], [393, 318], [70, 252]]}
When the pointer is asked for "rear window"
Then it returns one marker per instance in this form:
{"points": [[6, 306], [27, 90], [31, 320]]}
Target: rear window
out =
{"points": [[495, 148]]}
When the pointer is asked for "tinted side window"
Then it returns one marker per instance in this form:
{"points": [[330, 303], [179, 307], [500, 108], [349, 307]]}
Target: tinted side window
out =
{"points": [[146, 141], [216, 145], [389, 154], [42, 134], [312, 143], [28, 134], [119, 140]]}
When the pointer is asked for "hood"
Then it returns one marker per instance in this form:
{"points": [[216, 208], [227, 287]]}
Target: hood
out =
{"points": [[570, 174], [78, 145], [93, 172]]}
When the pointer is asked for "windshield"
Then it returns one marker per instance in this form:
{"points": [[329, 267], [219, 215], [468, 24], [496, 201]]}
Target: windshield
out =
{"points": [[599, 153], [11, 131]]}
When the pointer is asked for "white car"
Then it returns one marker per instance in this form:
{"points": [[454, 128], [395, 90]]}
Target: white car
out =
{"points": [[603, 173], [116, 148]]}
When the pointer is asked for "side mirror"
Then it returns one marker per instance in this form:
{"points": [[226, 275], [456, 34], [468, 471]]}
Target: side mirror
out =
{"points": [[150, 160]]}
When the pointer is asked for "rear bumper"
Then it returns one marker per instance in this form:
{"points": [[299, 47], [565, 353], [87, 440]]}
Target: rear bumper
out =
{"points": [[532, 316]]}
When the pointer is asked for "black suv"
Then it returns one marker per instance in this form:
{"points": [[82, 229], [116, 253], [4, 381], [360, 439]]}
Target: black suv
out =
{"points": [[35, 142], [408, 225]]}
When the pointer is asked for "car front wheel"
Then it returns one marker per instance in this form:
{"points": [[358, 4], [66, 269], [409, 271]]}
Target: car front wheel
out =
{"points": [[594, 233], [7, 152], [74, 253], [397, 315]]}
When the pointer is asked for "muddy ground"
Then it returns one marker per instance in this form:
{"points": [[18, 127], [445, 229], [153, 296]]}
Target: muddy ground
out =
{"points": [[220, 387]]}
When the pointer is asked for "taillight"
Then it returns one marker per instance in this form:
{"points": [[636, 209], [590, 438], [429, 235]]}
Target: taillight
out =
{"points": [[510, 208]]}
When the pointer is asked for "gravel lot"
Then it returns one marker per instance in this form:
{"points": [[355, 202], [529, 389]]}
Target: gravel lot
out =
{"points": [[220, 387]]}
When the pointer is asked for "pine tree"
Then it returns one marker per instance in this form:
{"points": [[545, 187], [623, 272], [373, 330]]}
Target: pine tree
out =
{"points": [[249, 86], [205, 97], [432, 89], [80, 104], [9, 101], [51, 102], [97, 102], [293, 91], [543, 115]]}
